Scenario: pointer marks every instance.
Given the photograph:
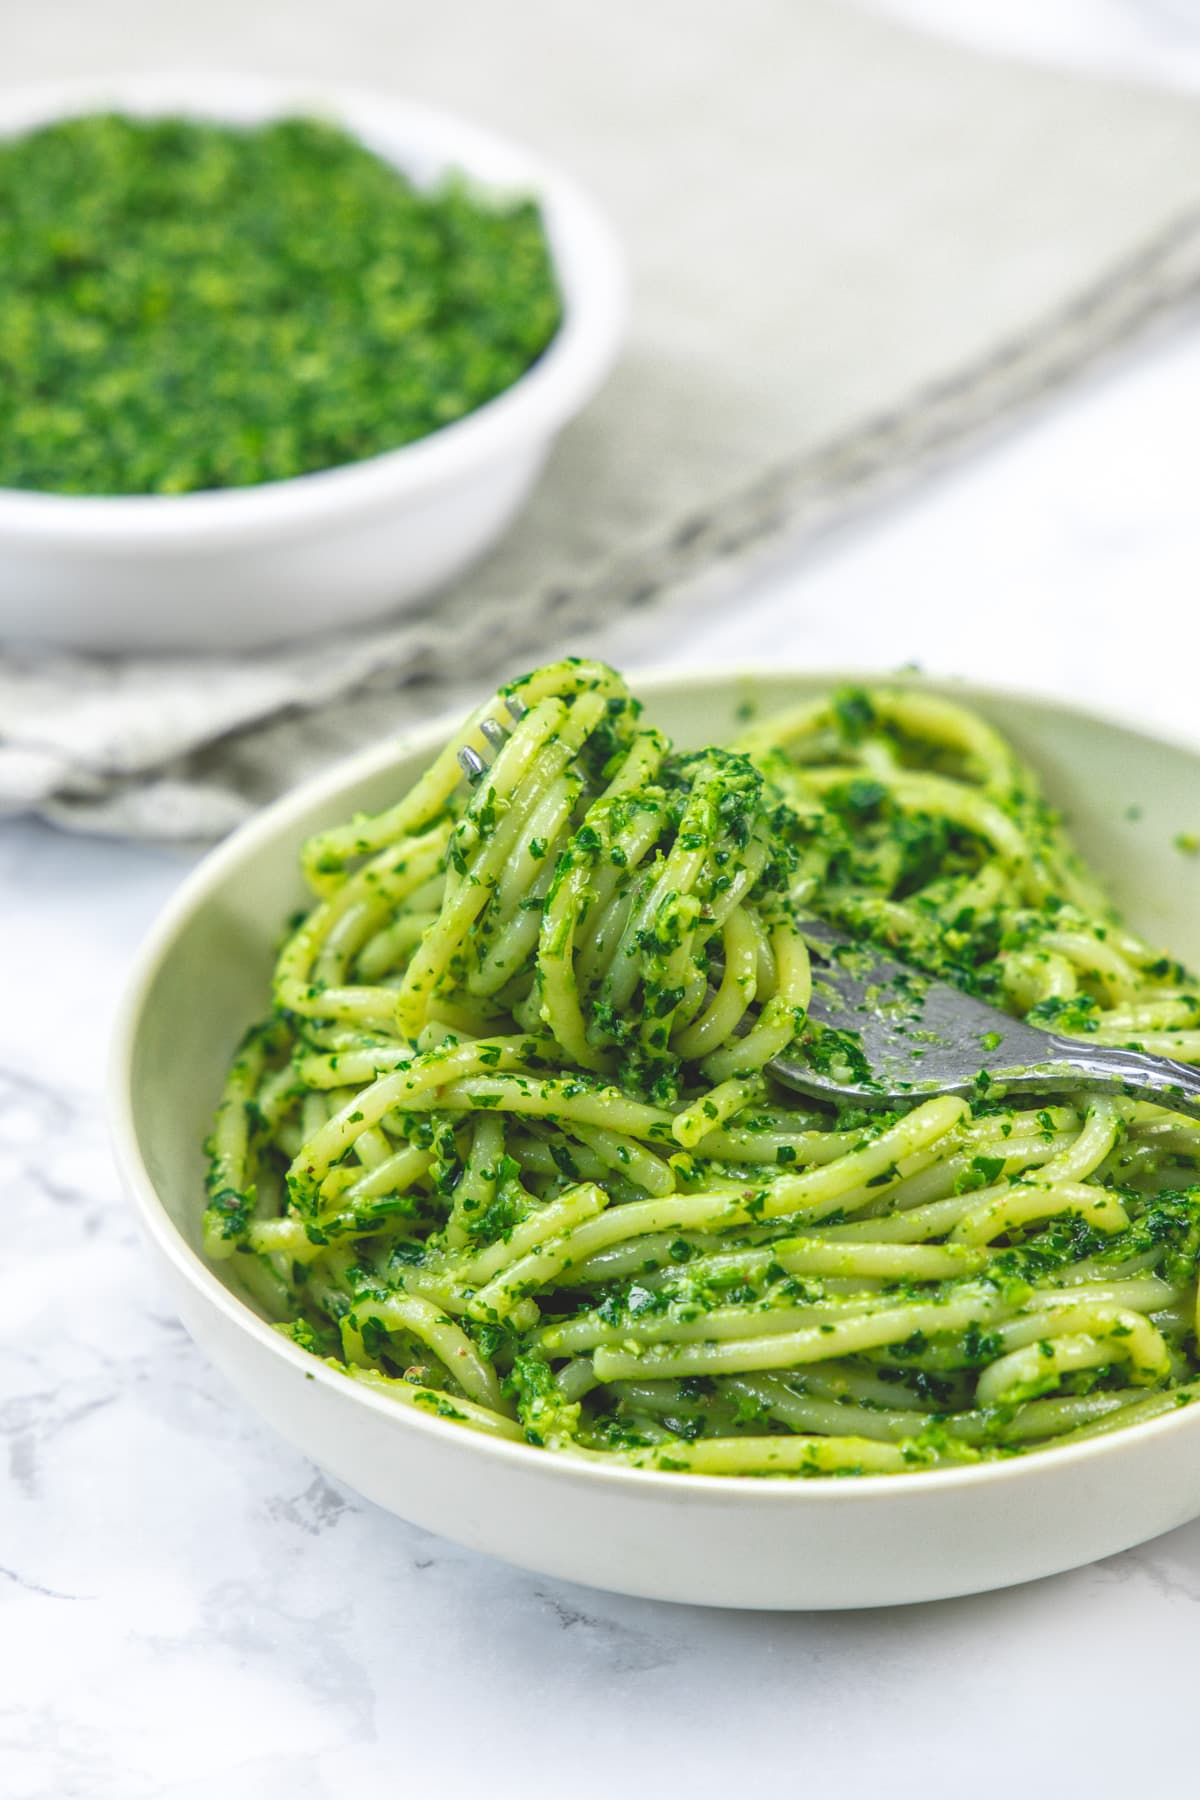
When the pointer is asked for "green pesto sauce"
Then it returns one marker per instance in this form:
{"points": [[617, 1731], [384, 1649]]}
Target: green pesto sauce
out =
{"points": [[185, 305]]}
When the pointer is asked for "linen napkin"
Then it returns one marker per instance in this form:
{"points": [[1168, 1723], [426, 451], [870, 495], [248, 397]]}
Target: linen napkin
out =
{"points": [[854, 249]]}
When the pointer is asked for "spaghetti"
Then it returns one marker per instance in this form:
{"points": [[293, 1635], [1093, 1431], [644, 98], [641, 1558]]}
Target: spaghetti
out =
{"points": [[508, 1148]]}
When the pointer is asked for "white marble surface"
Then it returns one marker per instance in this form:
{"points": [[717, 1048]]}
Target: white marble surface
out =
{"points": [[190, 1609]]}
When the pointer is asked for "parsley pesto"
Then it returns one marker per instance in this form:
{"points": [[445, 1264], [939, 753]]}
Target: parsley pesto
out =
{"points": [[188, 305], [507, 1148]]}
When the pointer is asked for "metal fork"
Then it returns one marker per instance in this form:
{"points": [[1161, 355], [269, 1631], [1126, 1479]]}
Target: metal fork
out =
{"points": [[915, 1037], [919, 1037], [497, 735]]}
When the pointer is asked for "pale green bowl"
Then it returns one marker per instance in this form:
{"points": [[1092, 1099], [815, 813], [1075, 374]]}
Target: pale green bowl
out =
{"points": [[203, 976]]}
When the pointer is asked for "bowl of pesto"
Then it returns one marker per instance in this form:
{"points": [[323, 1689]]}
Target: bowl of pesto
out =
{"points": [[448, 1109], [273, 359]]}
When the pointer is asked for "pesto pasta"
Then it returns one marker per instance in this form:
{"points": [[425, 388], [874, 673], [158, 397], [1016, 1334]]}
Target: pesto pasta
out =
{"points": [[508, 1148]]}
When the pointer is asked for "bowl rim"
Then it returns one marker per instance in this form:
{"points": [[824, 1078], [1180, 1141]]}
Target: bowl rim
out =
{"points": [[759, 1490], [588, 261]]}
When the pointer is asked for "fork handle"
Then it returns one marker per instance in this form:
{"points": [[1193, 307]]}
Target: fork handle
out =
{"points": [[1072, 1062]]}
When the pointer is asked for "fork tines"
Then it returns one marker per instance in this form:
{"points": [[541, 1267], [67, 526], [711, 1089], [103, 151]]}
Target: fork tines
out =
{"points": [[472, 764]]}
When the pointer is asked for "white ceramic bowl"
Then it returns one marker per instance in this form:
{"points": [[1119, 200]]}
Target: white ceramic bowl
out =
{"points": [[756, 1542], [233, 569]]}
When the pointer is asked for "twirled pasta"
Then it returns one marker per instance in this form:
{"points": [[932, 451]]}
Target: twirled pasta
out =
{"points": [[508, 1148]]}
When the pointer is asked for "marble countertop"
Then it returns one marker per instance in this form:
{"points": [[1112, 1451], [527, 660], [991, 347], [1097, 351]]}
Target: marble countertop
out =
{"points": [[191, 1609]]}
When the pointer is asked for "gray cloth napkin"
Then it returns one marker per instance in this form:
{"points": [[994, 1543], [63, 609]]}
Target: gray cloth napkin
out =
{"points": [[854, 248]]}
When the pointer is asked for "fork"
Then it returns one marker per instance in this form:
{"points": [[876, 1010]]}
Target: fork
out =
{"points": [[915, 1037], [494, 733], [920, 1037]]}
